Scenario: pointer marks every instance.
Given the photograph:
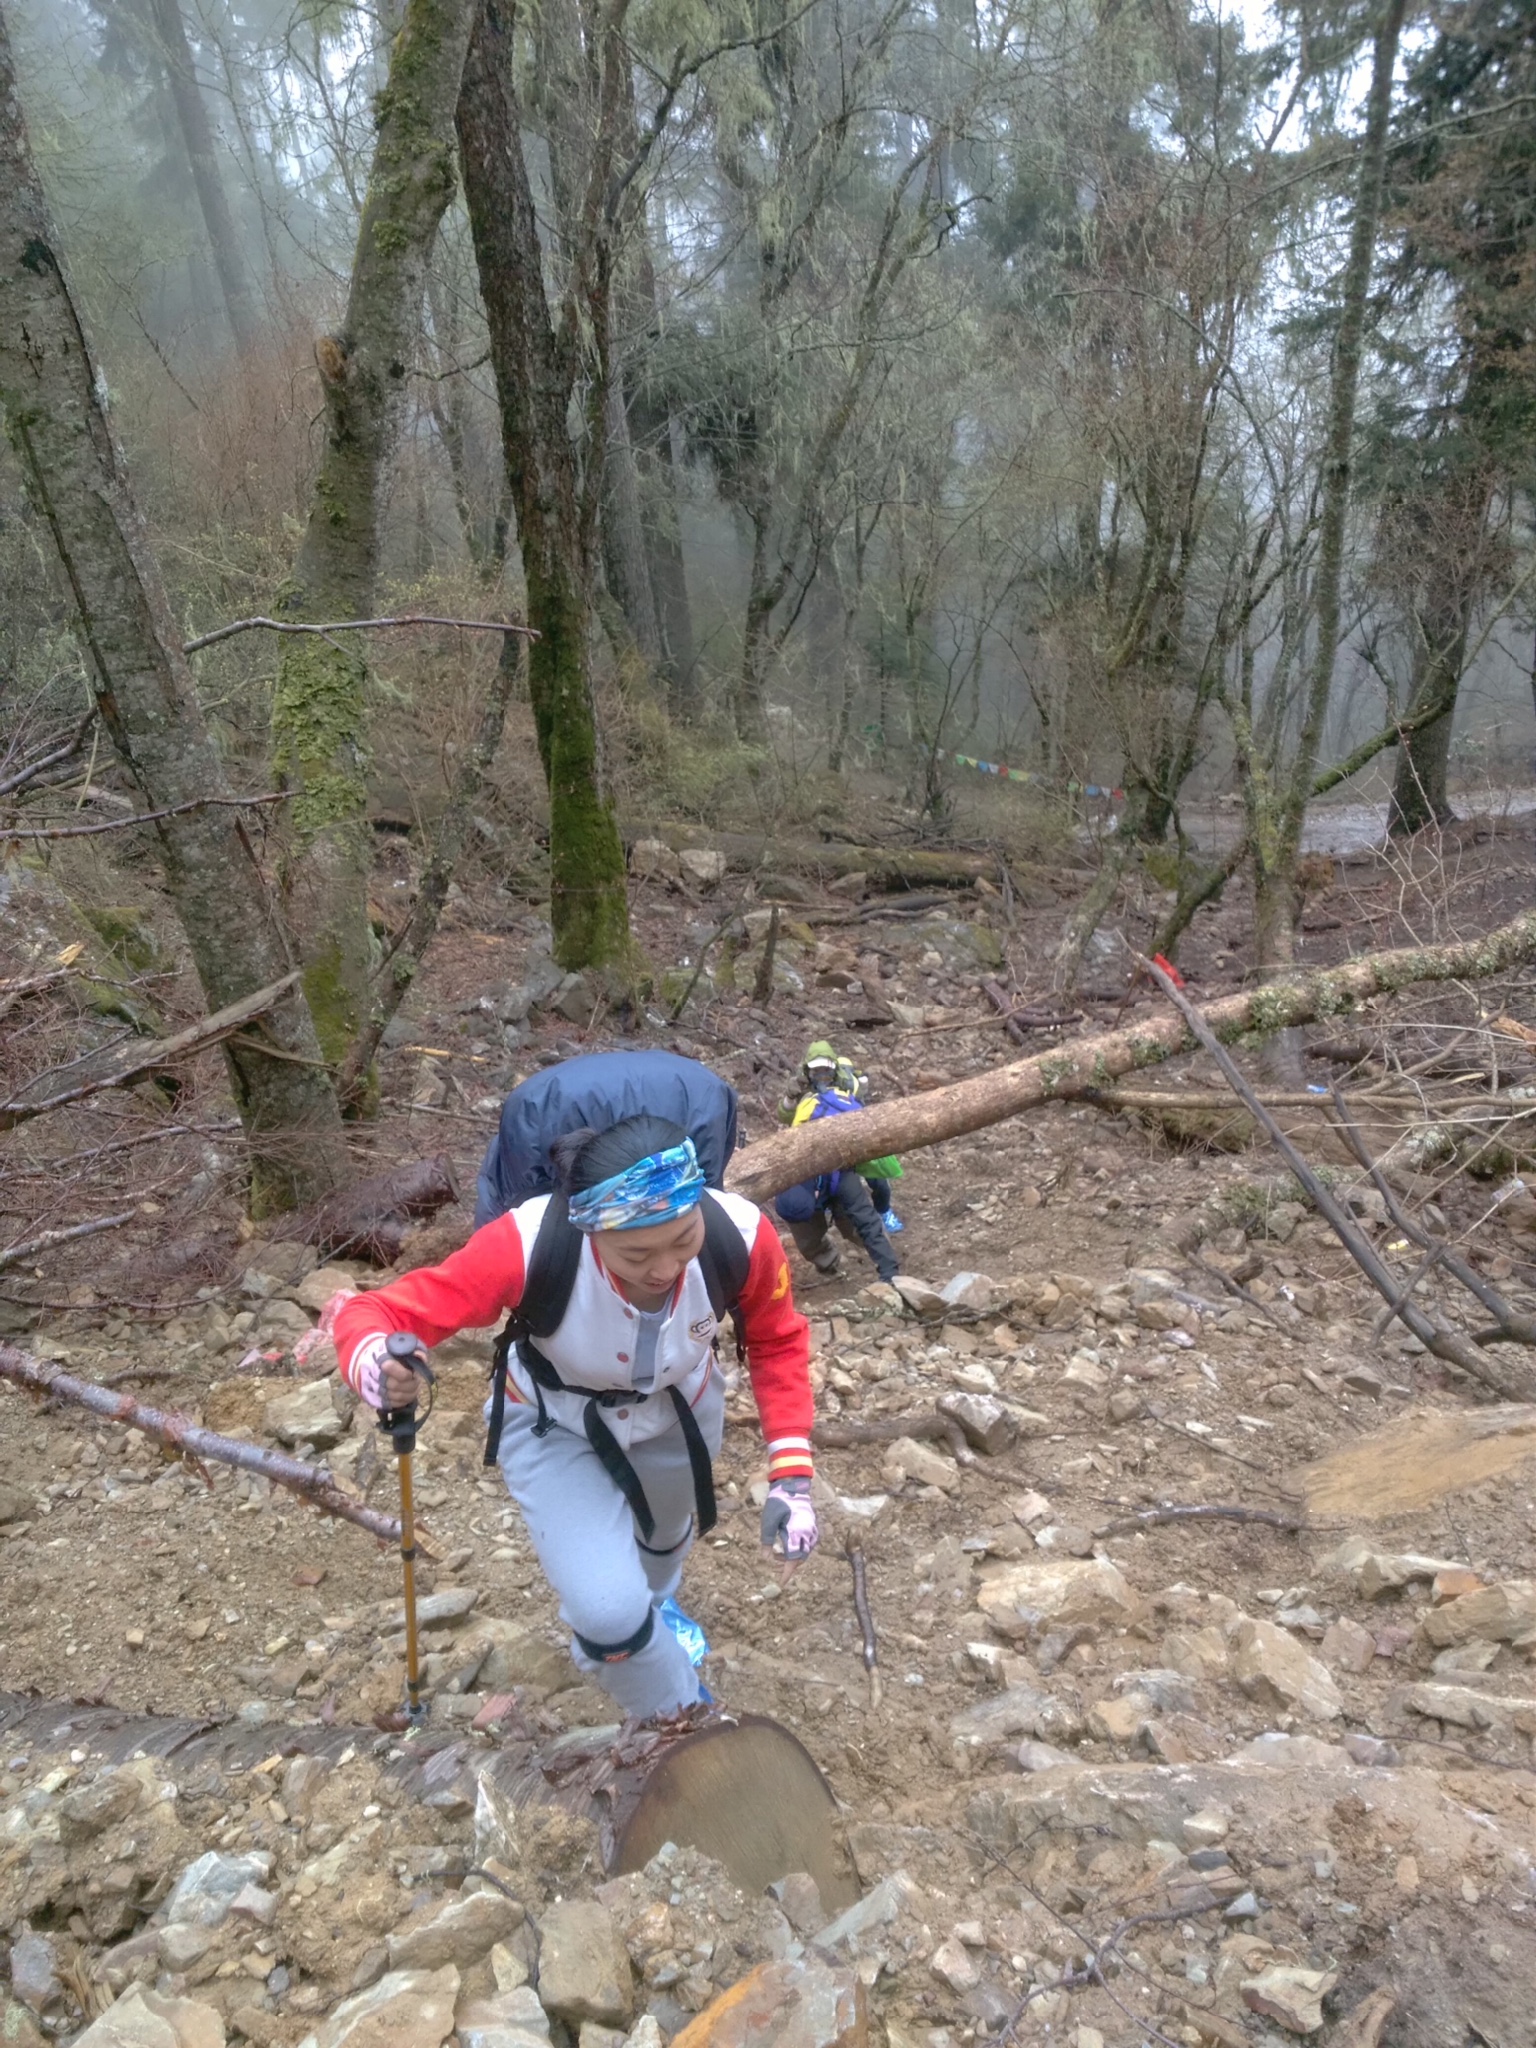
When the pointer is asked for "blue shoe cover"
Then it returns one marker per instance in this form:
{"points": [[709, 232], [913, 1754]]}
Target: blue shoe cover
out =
{"points": [[686, 1629], [891, 1223]]}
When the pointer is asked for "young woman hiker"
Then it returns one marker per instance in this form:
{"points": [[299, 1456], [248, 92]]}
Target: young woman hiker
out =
{"points": [[615, 1409]]}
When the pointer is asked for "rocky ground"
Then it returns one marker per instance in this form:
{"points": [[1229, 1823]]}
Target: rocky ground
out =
{"points": [[1236, 1779]]}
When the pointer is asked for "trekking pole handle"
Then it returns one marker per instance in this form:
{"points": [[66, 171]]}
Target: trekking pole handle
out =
{"points": [[400, 1423]]}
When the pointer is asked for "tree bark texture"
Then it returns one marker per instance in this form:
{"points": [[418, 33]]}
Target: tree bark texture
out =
{"points": [[534, 361], [1276, 849], [51, 393], [318, 711], [202, 153], [778, 1162]]}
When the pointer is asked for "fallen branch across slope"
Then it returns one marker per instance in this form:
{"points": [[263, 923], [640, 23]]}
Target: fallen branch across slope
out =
{"points": [[1072, 1070], [144, 1056], [1432, 1331], [180, 1433]]}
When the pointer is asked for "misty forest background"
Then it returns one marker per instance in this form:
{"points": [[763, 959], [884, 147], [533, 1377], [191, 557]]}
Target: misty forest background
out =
{"points": [[1139, 395]]}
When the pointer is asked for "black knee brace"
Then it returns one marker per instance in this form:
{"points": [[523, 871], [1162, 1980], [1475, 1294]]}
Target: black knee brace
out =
{"points": [[615, 1653]]}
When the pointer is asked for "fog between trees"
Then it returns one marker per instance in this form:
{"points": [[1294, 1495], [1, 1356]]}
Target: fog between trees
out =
{"points": [[1108, 391]]}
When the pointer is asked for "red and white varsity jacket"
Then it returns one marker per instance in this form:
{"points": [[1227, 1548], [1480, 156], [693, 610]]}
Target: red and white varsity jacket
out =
{"points": [[594, 1345]]}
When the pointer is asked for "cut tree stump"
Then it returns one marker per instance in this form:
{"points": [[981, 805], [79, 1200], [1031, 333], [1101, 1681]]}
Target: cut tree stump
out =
{"points": [[739, 1787]]}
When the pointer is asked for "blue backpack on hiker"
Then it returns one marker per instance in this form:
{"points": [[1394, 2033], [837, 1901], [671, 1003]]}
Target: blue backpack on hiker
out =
{"points": [[597, 1090], [594, 1092]]}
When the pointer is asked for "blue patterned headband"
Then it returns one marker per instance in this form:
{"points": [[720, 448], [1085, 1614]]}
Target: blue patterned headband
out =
{"points": [[653, 1190]]}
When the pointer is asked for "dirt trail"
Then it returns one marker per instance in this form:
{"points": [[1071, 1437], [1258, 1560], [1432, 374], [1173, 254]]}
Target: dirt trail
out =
{"points": [[1170, 1782]]}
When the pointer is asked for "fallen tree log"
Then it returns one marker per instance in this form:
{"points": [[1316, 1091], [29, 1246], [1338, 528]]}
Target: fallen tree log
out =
{"points": [[1072, 1070], [119, 1065], [180, 1433], [886, 867]]}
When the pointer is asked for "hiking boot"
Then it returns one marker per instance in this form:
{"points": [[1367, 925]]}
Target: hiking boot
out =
{"points": [[828, 1260]]}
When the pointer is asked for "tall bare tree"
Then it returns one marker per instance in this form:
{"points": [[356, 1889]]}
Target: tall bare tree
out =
{"points": [[52, 395]]}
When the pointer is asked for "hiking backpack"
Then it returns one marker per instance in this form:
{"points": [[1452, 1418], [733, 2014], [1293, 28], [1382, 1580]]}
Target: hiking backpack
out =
{"points": [[598, 1090]]}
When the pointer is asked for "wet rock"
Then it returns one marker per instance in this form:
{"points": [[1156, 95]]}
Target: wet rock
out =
{"points": [[1291, 1997], [91, 1809], [305, 1416], [878, 1908], [512, 2019], [405, 2009], [184, 1945], [1474, 1656], [584, 1971], [518, 1656], [460, 1933], [1502, 1613], [704, 866], [1346, 1646], [907, 1459], [1273, 1668], [1370, 1750], [969, 1290], [144, 2019], [317, 1289], [302, 1782], [651, 857], [1464, 1708], [206, 1889], [1022, 1599], [1043, 1756], [1207, 1829], [1120, 1720], [1018, 1710], [438, 1610], [34, 1977], [921, 1296], [255, 1905], [808, 2003], [1376, 1572], [951, 1963], [282, 1321], [1084, 1374], [989, 1426]]}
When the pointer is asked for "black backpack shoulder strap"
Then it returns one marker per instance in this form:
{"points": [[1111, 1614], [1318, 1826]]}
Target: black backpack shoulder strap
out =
{"points": [[723, 1257], [547, 1287]]}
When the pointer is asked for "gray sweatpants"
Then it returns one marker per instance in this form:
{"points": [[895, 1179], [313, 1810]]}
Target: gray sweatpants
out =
{"points": [[590, 1548]]}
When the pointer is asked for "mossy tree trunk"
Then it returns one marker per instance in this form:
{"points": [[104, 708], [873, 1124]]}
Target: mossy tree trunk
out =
{"points": [[535, 356], [319, 712], [51, 396]]}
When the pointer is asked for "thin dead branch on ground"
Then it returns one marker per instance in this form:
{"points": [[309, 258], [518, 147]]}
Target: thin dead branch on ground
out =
{"points": [[180, 1433], [1432, 1331], [143, 1056]]}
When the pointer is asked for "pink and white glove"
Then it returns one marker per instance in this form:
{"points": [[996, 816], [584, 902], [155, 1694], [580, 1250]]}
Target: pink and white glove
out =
{"points": [[789, 1521], [367, 1374]]}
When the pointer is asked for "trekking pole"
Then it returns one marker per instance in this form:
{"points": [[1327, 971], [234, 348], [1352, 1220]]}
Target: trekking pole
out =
{"points": [[399, 1425]]}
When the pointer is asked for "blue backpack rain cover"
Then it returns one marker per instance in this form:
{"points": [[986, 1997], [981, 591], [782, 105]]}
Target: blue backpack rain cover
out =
{"points": [[596, 1091]]}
